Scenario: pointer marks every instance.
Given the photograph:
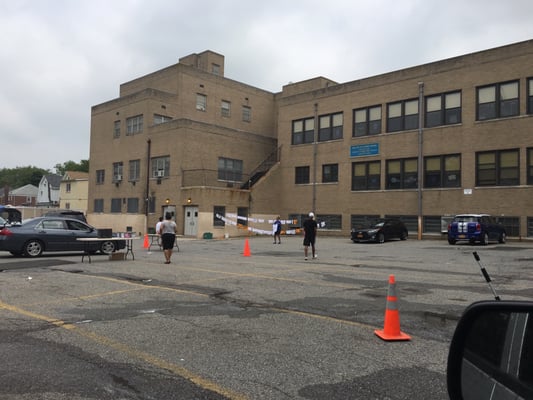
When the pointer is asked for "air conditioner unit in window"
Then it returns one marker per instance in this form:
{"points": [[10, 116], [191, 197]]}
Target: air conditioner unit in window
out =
{"points": [[118, 178], [160, 173]]}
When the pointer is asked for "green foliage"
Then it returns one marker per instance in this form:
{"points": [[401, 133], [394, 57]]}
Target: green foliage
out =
{"points": [[20, 176], [82, 166]]}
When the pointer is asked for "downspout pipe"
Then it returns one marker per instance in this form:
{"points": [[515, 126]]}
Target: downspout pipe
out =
{"points": [[420, 154]]}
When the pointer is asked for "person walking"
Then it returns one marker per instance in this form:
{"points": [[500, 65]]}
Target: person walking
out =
{"points": [[310, 228], [277, 230], [168, 230]]}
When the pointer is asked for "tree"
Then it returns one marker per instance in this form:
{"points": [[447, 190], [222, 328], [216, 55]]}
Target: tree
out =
{"points": [[82, 166], [20, 176]]}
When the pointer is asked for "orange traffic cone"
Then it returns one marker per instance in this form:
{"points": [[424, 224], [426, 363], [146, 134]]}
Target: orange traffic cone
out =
{"points": [[246, 252], [146, 244], [391, 330]]}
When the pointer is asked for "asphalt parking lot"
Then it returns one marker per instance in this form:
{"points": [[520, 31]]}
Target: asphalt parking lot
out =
{"points": [[215, 324]]}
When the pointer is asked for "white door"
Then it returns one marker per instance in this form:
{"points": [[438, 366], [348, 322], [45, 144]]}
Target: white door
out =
{"points": [[171, 210], [191, 221]]}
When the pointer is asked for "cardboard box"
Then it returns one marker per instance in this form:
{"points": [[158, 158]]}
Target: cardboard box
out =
{"points": [[118, 256]]}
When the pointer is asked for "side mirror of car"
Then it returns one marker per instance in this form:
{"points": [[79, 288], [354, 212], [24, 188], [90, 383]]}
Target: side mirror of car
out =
{"points": [[491, 354]]}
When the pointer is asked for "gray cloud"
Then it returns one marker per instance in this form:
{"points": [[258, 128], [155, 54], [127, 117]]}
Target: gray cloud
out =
{"points": [[61, 57]]}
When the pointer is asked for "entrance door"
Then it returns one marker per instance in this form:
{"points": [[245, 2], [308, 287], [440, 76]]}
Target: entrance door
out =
{"points": [[171, 210], [191, 221]]}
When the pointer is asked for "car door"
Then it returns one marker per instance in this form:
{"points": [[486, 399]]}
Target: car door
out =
{"points": [[75, 231], [52, 233]]}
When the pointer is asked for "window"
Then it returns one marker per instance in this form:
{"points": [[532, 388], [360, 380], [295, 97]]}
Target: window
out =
{"points": [[442, 171], [229, 169], [134, 125], [68, 187], [219, 211], [201, 102], [511, 225], [330, 127], [160, 167], [242, 216], [151, 204], [246, 114], [329, 221], [366, 175], [402, 115], [225, 108], [116, 205], [497, 168], [98, 205], [530, 166], [303, 131], [530, 96], [497, 101], [100, 176], [330, 173], [432, 224], [362, 221], [301, 175], [117, 172], [161, 119], [133, 205], [116, 129], [402, 173], [215, 69], [367, 121], [443, 109], [134, 170]]}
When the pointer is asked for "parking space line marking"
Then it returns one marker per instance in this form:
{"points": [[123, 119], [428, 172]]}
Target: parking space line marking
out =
{"points": [[123, 348]]}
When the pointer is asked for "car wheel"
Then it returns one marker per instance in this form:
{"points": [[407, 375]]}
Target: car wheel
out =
{"points": [[452, 241], [485, 239], [403, 235], [33, 248], [107, 247], [503, 238], [380, 238]]}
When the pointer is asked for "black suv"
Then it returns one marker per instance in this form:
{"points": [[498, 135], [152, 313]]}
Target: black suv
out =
{"points": [[475, 228], [67, 214]]}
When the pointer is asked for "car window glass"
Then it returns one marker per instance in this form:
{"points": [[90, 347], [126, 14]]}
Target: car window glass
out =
{"points": [[487, 337], [51, 224], [526, 362], [77, 226]]}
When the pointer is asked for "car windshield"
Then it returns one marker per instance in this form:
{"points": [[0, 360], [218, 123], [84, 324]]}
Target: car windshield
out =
{"points": [[2, 221], [466, 218], [378, 224]]}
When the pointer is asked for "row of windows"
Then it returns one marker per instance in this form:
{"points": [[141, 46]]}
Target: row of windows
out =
{"points": [[118, 205], [499, 100], [228, 170], [493, 168], [134, 125], [225, 108]]}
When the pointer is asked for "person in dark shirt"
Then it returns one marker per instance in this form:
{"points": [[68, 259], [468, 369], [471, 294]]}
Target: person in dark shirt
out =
{"points": [[310, 228], [277, 230]]}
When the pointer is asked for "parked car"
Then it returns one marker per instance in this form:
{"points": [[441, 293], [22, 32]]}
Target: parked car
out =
{"points": [[473, 228], [42, 234], [67, 213], [380, 230]]}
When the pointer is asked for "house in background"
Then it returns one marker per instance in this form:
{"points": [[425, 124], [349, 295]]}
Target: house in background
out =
{"points": [[74, 190], [23, 196], [48, 194]]}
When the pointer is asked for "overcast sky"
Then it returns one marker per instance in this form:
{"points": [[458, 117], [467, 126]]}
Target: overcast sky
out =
{"points": [[58, 58]]}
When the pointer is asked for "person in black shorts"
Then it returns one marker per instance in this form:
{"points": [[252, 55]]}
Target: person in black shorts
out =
{"points": [[168, 230], [310, 228]]}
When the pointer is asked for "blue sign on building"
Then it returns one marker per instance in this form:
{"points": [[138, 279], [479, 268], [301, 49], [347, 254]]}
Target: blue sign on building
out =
{"points": [[361, 150]]}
